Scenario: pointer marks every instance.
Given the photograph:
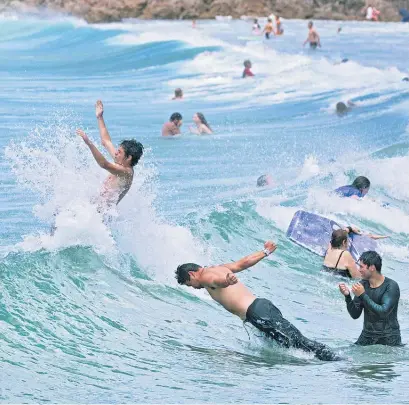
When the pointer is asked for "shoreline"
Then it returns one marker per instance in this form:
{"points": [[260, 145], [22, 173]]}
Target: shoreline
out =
{"points": [[107, 11]]}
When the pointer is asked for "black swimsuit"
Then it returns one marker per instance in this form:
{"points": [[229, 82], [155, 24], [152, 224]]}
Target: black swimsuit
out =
{"points": [[335, 270]]}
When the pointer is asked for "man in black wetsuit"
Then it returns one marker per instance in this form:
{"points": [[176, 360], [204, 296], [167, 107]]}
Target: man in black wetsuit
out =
{"points": [[378, 296], [225, 288]]}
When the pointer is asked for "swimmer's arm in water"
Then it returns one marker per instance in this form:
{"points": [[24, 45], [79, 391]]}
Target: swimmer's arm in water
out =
{"points": [[250, 260], [113, 168], [352, 266], [376, 237], [193, 130], [212, 278], [103, 131]]}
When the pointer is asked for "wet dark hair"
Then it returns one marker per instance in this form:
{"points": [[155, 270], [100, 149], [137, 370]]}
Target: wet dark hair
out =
{"points": [[203, 120], [247, 62], [269, 19], [178, 92], [372, 258], [255, 21], [312, 24], [341, 108], [134, 149], [182, 272], [361, 182], [338, 237], [262, 181], [176, 117]]}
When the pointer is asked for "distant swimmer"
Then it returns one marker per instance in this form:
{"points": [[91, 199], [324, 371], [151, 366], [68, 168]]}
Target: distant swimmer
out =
{"points": [[178, 94], [339, 30], [125, 158], [172, 127], [264, 181], [345, 60], [247, 69], [378, 296], [358, 189], [268, 29], [279, 28], [225, 288], [202, 126], [313, 37], [193, 23], [341, 108], [256, 27], [405, 79], [338, 260]]}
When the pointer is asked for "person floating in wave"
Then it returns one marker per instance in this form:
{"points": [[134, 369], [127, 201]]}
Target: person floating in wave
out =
{"points": [[345, 60], [265, 180], [269, 28], [256, 27], [313, 37], [225, 288], [378, 297], [342, 109], [125, 158], [338, 260], [279, 28], [358, 189], [172, 127], [202, 126], [178, 94], [247, 69]]}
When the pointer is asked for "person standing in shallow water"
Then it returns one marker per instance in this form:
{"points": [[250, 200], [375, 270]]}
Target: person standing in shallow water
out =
{"points": [[225, 288], [313, 37], [378, 296]]}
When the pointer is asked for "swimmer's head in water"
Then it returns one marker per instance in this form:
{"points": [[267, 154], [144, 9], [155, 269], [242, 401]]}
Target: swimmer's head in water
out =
{"points": [[255, 21], [341, 108], [129, 150], [363, 184], [339, 239], [269, 20], [176, 118], [310, 24], [264, 180], [185, 274], [345, 60], [247, 63], [405, 79], [369, 262], [178, 93], [199, 118]]}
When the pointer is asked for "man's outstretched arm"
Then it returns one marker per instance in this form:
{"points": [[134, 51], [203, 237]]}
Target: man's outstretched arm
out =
{"points": [[103, 131], [113, 168], [251, 260]]}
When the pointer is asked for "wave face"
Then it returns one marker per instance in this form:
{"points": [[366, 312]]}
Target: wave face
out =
{"points": [[94, 314]]}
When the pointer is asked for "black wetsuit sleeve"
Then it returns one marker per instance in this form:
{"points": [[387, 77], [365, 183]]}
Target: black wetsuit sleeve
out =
{"points": [[354, 306], [389, 301]]}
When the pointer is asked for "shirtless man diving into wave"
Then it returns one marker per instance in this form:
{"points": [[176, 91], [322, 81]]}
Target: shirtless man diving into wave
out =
{"points": [[226, 289], [119, 181]]}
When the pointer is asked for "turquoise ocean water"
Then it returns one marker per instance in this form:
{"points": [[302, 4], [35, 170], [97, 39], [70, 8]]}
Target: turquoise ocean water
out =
{"points": [[93, 314]]}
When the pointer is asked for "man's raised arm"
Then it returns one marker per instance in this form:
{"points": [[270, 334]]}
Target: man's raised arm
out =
{"points": [[251, 260], [103, 131], [113, 168]]}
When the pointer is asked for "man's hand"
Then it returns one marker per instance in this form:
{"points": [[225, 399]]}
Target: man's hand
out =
{"points": [[358, 289], [231, 279], [344, 289], [99, 109], [84, 136], [270, 246]]}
